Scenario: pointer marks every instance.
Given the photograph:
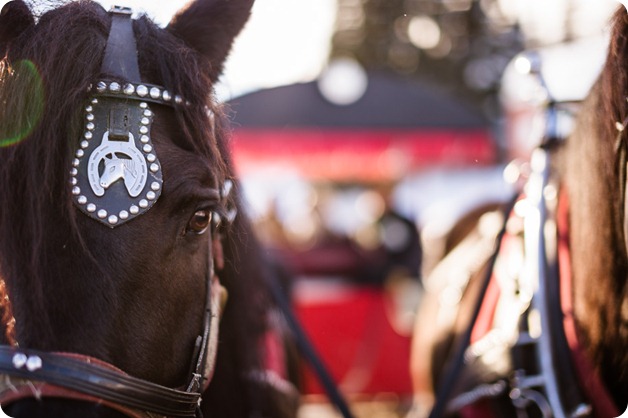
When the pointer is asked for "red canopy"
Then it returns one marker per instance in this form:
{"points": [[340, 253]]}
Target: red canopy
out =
{"points": [[358, 154], [399, 125]]}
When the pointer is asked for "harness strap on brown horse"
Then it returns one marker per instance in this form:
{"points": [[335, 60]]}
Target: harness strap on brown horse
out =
{"points": [[456, 364]]}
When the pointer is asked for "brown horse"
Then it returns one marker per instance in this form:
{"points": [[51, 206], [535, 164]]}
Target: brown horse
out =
{"points": [[554, 342], [114, 286]]}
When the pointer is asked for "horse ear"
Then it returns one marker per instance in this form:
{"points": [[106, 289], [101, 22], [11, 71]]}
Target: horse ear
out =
{"points": [[15, 18], [210, 26]]}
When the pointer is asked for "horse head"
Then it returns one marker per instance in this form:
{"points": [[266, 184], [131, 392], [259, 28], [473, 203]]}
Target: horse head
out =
{"points": [[128, 284], [119, 169]]}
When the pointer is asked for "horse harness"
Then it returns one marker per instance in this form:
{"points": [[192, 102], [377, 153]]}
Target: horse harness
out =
{"points": [[117, 123], [532, 358]]}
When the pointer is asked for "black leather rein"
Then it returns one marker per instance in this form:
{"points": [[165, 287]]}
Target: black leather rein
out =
{"points": [[90, 378]]}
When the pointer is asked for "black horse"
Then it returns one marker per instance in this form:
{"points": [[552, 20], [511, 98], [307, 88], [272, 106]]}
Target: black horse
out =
{"points": [[559, 269], [120, 228]]}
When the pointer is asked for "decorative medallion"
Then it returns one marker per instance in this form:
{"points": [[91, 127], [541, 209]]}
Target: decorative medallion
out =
{"points": [[116, 175]]}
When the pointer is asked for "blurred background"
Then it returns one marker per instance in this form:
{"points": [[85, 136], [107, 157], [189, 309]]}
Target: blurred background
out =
{"points": [[364, 129]]}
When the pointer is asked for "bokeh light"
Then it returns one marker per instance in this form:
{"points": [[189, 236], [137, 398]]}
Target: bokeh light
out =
{"points": [[25, 112], [424, 32]]}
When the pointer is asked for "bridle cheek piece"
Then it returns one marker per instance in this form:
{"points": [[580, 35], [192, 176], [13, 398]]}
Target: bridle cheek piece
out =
{"points": [[116, 176]]}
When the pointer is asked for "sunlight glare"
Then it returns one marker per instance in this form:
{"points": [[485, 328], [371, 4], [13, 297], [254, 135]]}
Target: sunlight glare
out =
{"points": [[27, 112]]}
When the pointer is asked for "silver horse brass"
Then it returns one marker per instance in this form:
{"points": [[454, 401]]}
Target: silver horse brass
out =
{"points": [[122, 160], [116, 175]]}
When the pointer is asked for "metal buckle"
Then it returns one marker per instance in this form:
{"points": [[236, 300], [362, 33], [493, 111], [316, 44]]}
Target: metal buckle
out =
{"points": [[121, 10]]}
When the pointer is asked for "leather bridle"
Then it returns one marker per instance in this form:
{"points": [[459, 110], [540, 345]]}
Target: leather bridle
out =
{"points": [[26, 373]]}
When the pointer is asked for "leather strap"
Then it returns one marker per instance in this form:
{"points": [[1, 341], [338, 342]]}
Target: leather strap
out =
{"points": [[583, 371], [14, 389], [120, 60], [91, 377]]}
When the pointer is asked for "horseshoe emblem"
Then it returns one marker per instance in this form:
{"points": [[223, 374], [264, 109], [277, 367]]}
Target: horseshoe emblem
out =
{"points": [[116, 175], [122, 161]]}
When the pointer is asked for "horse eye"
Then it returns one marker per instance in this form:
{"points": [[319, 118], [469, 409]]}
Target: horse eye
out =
{"points": [[200, 221]]}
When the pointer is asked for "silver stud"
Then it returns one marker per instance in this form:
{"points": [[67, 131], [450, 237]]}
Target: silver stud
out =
{"points": [[227, 187], [155, 186], [80, 153], [134, 210], [148, 113], [143, 203], [582, 410], [76, 191], [34, 363], [142, 90], [178, 99], [144, 105], [19, 360], [94, 101], [81, 200], [102, 214], [76, 162], [144, 139], [74, 172], [88, 135], [143, 130], [91, 208], [145, 121], [89, 109], [89, 117], [154, 167], [114, 87], [73, 181], [166, 95], [155, 93], [147, 148], [90, 126], [151, 195], [151, 158], [113, 219], [84, 144], [124, 215], [101, 87], [129, 89]]}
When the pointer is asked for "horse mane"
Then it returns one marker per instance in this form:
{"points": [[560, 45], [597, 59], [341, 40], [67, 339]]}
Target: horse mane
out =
{"points": [[600, 263], [45, 76]]}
